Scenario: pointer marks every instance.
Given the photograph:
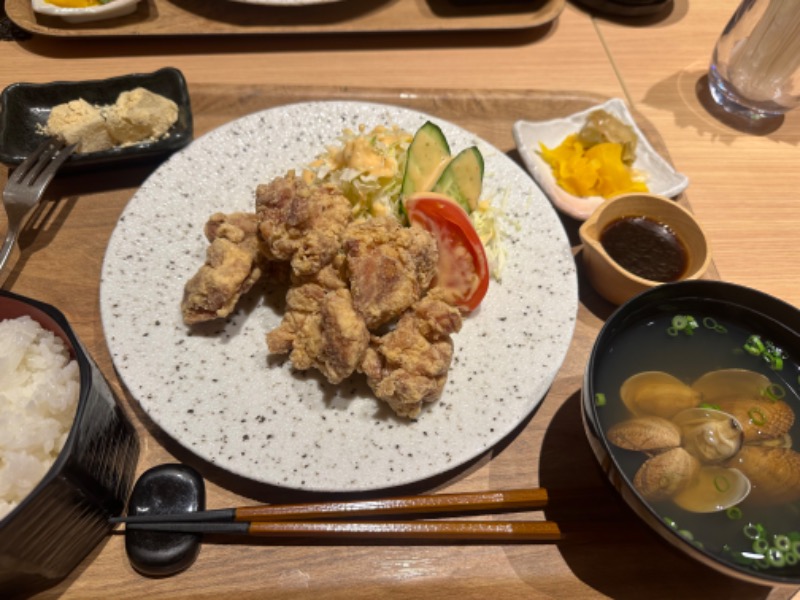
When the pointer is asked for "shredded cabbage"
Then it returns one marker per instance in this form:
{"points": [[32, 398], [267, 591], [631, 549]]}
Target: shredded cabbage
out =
{"points": [[489, 221], [368, 167]]}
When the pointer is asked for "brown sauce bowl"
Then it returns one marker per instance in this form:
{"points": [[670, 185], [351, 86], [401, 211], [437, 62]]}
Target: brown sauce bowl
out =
{"points": [[611, 280]]}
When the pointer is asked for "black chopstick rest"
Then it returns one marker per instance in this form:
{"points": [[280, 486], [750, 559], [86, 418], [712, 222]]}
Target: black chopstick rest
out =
{"points": [[165, 489]]}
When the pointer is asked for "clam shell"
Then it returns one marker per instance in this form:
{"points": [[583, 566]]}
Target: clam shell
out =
{"points": [[774, 474], [714, 489], [665, 475], [711, 436], [645, 434], [657, 394], [761, 419], [730, 383]]}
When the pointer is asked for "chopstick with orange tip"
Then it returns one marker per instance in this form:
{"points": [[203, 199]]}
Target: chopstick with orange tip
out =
{"points": [[325, 519]]}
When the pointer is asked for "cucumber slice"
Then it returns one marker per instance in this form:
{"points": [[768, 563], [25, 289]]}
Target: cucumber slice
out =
{"points": [[427, 156], [462, 179]]}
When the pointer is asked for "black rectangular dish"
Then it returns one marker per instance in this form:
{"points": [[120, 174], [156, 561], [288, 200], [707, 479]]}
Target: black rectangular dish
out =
{"points": [[25, 108]]}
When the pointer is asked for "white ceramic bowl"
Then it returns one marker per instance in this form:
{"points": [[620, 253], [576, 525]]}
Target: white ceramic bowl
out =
{"points": [[111, 10], [662, 179]]}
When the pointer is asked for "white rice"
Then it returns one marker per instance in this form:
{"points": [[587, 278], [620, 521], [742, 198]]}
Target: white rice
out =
{"points": [[39, 388]]}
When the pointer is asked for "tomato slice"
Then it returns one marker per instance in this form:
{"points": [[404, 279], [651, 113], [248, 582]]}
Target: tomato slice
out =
{"points": [[463, 268]]}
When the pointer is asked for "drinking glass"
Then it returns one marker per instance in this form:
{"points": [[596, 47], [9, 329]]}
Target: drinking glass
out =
{"points": [[755, 68]]}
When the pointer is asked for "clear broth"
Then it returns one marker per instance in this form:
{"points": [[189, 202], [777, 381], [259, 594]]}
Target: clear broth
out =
{"points": [[645, 345]]}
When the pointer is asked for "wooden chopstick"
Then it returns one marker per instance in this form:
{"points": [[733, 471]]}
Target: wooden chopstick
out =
{"points": [[540, 531], [406, 505]]}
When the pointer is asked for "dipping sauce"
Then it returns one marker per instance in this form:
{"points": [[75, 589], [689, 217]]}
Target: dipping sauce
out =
{"points": [[646, 248]]}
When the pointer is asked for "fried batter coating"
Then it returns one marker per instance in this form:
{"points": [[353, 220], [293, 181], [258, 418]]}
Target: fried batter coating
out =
{"points": [[389, 267], [230, 270], [304, 299], [321, 329], [333, 340], [408, 366], [301, 223]]}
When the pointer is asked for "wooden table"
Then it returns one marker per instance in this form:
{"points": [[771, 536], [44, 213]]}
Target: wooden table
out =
{"points": [[742, 187]]}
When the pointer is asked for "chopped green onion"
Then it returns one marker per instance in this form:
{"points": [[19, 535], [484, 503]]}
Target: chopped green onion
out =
{"points": [[670, 523], [791, 558], [734, 513], [757, 416], [684, 323], [760, 545], [768, 350], [776, 558], [600, 399], [712, 324], [752, 531], [774, 391], [754, 345], [783, 543], [679, 322], [686, 534], [721, 483], [710, 406]]}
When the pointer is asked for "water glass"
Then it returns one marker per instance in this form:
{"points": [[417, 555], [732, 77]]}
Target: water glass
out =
{"points": [[755, 68]]}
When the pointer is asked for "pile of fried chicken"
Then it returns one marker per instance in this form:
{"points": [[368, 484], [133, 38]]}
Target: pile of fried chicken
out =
{"points": [[362, 297]]}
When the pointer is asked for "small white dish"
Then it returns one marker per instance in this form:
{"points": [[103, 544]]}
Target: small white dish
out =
{"points": [[111, 10], [661, 178], [286, 2]]}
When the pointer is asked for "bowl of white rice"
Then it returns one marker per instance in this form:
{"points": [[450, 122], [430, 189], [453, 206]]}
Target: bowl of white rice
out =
{"points": [[67, 452]]}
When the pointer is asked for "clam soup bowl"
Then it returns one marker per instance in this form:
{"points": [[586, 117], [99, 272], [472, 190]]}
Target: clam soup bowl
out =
{"points": [[689, 401]]}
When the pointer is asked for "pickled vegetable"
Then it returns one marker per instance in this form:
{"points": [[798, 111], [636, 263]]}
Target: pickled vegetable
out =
{"points": [[597, 161], [595, 171], [602, 127]]}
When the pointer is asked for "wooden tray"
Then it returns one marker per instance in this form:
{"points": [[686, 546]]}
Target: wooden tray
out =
{"points": [[608, 551], [215, 17]]}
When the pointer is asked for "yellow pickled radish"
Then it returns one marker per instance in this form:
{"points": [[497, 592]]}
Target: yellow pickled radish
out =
{"points": [[74, 3], [595, 171]]}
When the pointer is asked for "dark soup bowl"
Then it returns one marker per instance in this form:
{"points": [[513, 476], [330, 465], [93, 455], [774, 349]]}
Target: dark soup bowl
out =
{"points": [[690, 403], [67, 452]]}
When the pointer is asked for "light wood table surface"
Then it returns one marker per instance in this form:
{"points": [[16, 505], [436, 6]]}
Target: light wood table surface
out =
{"points": [[743, 189]]}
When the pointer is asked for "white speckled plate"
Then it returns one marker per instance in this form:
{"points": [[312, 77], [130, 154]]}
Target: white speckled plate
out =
{"points": [[660, 177], [219, 395]]}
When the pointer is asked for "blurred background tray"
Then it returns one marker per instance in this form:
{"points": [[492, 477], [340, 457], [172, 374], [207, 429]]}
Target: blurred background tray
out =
{"points": [[219, 17]]}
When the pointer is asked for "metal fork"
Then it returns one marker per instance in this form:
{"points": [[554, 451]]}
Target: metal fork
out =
{"points": [[27, 184]]}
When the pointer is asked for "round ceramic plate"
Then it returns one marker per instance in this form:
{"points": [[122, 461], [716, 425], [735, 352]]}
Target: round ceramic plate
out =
{"points": [[217, 392]]}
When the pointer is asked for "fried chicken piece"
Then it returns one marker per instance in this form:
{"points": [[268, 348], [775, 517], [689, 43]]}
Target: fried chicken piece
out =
{"points": [[389, 267], [408, 366], [321, 328], [230, 270], [333, 340], [301, 223], [303, 299]]}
